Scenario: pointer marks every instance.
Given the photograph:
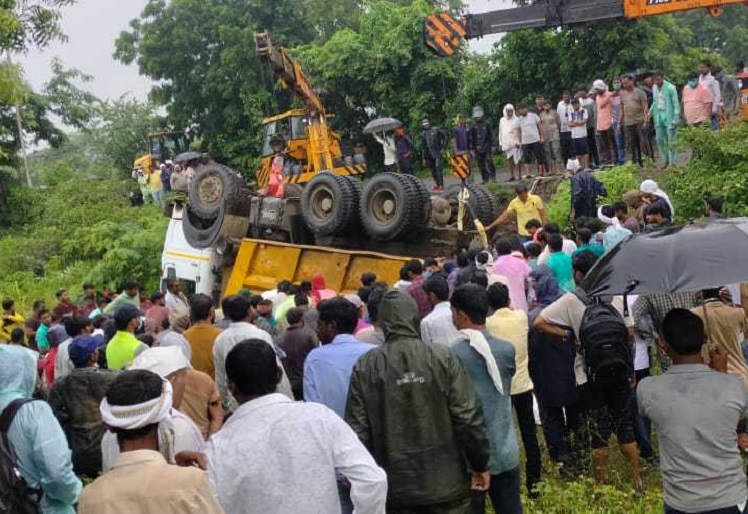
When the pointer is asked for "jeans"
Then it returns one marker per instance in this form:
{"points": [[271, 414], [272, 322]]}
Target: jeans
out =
{"points": [[344, 492], [158, 196], [486, 167], [559, 425], [504, 493], [727, 510], [607, 147], [642, 425], [666, 143], [526, 420], [405, 166], [637, 143], [620, 153], [592, 147], [436, 165]]}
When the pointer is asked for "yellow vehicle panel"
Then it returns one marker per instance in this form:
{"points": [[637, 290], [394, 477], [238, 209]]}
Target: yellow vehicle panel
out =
{"points": [[260, 265], [639, 8]]}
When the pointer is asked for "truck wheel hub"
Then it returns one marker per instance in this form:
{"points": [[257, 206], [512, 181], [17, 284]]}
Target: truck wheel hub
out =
{"points": [[210, 190], [383, 206], [322, 202]]}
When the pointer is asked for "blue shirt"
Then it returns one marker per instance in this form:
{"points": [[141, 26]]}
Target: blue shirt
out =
{"points": [[497, 408], [560, 265], [328, 369]]}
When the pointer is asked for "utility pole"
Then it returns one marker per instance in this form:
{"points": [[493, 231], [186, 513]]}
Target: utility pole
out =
{"points": [[21, 139]]}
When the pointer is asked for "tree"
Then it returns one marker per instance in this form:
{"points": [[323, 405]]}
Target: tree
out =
{"points": [[28, 23], [724, 35]]}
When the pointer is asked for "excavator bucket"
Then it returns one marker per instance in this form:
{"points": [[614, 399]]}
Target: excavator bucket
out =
{"points": [[443, 33]]}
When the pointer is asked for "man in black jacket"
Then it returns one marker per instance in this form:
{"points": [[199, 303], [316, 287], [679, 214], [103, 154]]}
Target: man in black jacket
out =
{"points": [[481, 144], [433, 142], [413, 407]]}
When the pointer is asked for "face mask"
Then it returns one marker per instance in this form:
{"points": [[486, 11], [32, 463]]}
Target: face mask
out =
{"points": [[427, 274], [693, 83], [616, 87]]}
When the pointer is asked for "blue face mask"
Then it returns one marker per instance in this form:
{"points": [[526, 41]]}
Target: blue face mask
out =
{"points": [[427, 274], [693, 83]]}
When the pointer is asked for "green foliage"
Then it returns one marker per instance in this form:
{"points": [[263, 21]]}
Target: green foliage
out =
{"points": [[718, 165], [617, 180], [79, 226], [724, 35], [28, 23]]}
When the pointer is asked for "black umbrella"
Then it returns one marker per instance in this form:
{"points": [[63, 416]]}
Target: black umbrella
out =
{"points": [[688, 258], [382, 125], [186, 157]]}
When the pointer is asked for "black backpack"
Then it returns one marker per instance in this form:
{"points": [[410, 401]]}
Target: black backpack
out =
{"points": [[16, 497], [604, 343]]}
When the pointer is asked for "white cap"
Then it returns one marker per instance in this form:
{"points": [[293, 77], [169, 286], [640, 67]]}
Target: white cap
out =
{"points": [[649, 187], [355, 300], [162, 361], [573, 165], [599, 85]]}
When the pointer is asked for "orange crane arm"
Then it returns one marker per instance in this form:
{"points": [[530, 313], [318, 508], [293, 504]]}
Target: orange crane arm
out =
{"points": [[444, 33]]}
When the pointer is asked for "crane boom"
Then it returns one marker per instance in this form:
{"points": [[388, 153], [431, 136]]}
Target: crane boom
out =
{"points": [[443, 33]]}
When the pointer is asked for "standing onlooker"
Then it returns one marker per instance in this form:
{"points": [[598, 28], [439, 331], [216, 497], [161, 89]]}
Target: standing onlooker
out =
{"points": [[461, 136], [154, 318], [328, 368], [439, 420], [490, 364], [605, 122], [45, 322], [702, 469], [202, 334], [706, 78], [37, 441], [175, 299], [405, 148], [642, 425], [615, 101], [389, 148], [551, 138], [729, 93], [157, 187], [74, 327], [166, 170], [578, 117], [585, 189], [510, 325], [11, 320], [635, 121], [531, 137], [179, 182], [587, 100], [277, 455], [559, 262], [65, 306], [141, 480], [563, 109], [296, 343], [415, 289], [75, 401], [697, 102], [665, 115], [143, 178], [437, 327], [524, 207], [202, 402], [510, 140], [433, 143], [481, 145], [512, 265], [130, 295], [122, 349], [236, 310]]}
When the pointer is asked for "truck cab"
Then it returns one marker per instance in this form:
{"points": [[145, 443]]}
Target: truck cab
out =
{"points": [[194, 268]]}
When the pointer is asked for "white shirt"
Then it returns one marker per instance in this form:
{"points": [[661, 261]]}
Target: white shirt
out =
{"points": [[389, 148], [437, 327], [562, 110], [225, 342], [509, 133], [528, 125], [277, 455], [187, 438], [714, 90], [579, 132], [173, 301], [63, 365], [569, 248]]}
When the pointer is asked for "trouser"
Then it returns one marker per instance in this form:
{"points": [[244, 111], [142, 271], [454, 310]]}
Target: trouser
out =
{"points": [[715, 121], [405, 166], [344, 492], [158, 196], [642, 425], [453, 507], [435, 165], [727, 510], [612, 415], [567, 147], [607, 146], [504, 494], [526, 420], [486, 167], [592, 147], [620, 144], [559, 423], [637, 143], [390, 168], [666, 143], [146, 192]]}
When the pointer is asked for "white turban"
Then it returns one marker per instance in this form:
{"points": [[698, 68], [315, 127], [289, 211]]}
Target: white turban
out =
{"points": [[161, 360], [599, 85], [131, 417]]}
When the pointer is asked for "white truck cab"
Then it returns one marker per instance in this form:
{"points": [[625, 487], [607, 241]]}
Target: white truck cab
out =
{"points": [[194, 268]]}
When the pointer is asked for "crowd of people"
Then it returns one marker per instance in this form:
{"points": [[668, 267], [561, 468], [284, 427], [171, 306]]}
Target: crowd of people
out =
{"points": [[169, 179], [408, 397], [632, 119]]}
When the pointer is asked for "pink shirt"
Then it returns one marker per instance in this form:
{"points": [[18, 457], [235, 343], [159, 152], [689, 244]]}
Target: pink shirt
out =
{"points": [[515, 269], [696, 104], [604, 111]]}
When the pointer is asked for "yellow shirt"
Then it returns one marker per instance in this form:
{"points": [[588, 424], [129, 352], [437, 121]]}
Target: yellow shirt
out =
{"points": [[526, 211], [511, 326], [155, 181]]}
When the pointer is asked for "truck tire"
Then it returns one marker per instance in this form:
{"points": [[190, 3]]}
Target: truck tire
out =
{"points": [[424, 205], [389, 207], [212, 186], [329, 204], [478, 202], [487, 204], [204, 233]]}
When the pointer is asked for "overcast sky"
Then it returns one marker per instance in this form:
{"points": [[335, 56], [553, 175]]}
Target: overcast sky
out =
{"points": [[93, 25]]}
